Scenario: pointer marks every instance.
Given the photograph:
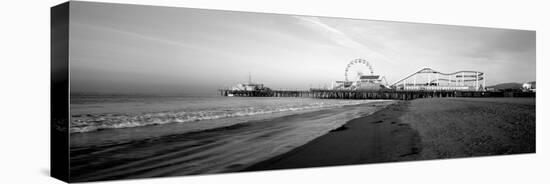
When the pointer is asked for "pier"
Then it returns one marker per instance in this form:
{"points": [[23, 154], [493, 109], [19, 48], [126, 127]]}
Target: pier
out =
{"points": [[365, 94], [362, 83]]}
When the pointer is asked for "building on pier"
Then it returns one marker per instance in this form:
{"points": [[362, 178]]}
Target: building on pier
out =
{"points": [[359, 75], [529, 86], [247, 87]]}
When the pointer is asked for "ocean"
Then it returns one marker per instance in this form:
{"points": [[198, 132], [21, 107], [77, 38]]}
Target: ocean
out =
{"points": [[117, 136]]}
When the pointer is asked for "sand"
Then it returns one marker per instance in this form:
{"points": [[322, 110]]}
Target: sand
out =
{"points": [[465, 127], [431, 128]]}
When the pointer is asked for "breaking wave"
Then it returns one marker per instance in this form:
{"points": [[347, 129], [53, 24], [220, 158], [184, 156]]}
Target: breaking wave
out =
{"points": [[94, 122]]}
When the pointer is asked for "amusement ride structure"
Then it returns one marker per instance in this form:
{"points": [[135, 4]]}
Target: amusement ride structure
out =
{"points": [[359, 75], [360, 82], [432, 80]]}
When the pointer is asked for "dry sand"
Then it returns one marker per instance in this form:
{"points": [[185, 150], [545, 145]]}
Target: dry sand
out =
{"points": [[431, 128], [464, 127]]}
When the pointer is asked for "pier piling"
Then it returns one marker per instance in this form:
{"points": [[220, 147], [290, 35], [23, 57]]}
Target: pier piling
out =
{"points": [[380, 94]]}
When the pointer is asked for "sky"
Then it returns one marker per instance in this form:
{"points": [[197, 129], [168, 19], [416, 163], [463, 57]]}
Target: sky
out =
{"points": [[135, 49]]}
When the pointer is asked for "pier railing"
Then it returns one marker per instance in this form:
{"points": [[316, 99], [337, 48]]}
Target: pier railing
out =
{"points": [[366, 94]]}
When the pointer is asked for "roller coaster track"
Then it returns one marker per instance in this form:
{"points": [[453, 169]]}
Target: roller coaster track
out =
{"points": [[479, 77]]}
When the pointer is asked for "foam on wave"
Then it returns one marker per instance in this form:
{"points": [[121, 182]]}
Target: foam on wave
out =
{"points": [[94, 122]]}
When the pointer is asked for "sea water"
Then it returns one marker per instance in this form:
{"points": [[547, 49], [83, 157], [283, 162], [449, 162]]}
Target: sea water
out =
{"points": [[122, 136]]}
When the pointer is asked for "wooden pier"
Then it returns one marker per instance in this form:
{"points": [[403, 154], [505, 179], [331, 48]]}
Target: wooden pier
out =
{"points": [[379, 94]]}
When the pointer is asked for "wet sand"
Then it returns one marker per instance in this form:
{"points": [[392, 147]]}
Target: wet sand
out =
{"points": [[421, 129], [163, 152]]}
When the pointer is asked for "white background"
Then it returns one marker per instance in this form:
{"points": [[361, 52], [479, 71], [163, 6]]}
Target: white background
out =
{"points": [[24, 98]]}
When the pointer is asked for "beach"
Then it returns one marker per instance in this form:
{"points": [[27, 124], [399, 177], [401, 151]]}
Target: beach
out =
{"points": [[295, 133], [421, 129], [122, 137]]}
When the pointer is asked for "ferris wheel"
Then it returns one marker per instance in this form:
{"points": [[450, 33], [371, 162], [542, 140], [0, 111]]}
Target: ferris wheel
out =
{"points": [[357, 68]]}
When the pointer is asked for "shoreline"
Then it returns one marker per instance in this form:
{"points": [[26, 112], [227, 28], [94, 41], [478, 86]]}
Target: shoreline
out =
{"points": [[420, 129], [225, 149], [386, 140]]}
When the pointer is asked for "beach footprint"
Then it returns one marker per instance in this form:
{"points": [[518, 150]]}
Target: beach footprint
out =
{"points": [[341, 128], [413, 151], [377, 122]]}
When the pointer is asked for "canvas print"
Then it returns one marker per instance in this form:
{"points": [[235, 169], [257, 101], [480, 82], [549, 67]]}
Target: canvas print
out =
{"points": [[167, 91]]}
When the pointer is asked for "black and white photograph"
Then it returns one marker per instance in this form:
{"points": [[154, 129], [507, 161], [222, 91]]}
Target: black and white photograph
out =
{"points": [[167, 91], [160, 91]]}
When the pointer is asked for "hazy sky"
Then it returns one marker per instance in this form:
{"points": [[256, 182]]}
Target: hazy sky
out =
{"points": [[146, 49]]}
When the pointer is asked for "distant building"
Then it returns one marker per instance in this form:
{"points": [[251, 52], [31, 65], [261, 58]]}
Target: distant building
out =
{"points": [[339, 85], [369, 82], [365, 82], [529, 86], [248, 87]]}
